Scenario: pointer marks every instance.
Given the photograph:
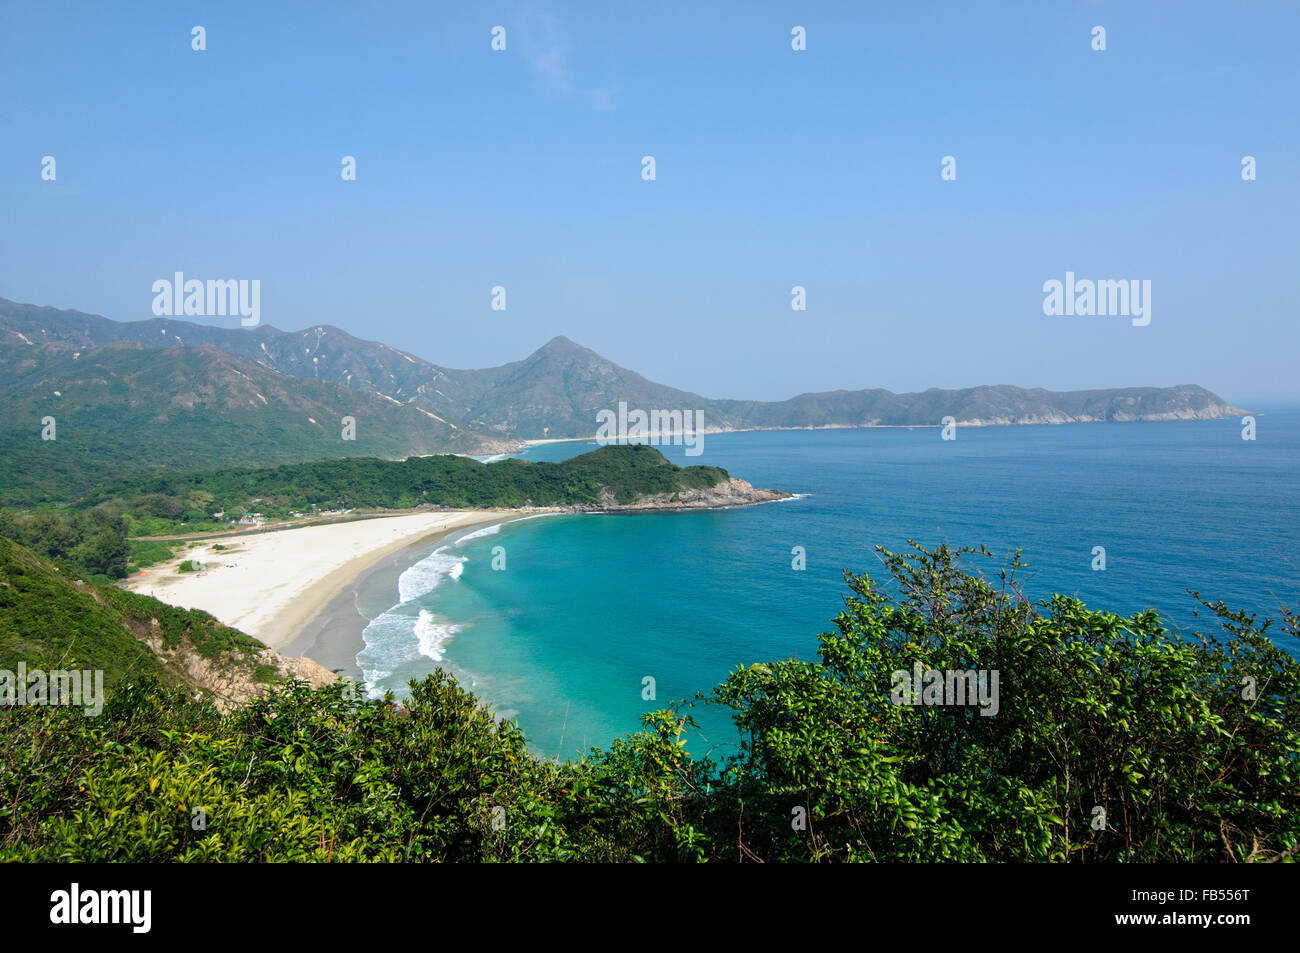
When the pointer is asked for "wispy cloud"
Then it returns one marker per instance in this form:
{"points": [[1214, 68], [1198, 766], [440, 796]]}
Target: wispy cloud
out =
{"points": [[548, 48]]}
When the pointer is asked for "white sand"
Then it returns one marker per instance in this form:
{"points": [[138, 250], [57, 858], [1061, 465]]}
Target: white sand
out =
{"points": [[270, 585]]}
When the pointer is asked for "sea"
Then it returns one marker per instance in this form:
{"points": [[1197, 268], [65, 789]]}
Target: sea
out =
{"points": [[577, 625]]}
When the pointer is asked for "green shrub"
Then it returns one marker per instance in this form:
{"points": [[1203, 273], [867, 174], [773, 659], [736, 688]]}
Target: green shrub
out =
{"points": [[1097, 713], [145, 553], [1187, 745]]}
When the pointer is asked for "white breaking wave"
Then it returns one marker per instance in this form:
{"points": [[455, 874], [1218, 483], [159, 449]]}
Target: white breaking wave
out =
{"points": [[389, 649], [433, 635], [479, 534], [496, 527], [425, 575], [394, 639]]}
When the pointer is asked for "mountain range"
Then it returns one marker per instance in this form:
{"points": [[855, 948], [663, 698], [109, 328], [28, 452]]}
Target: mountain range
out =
{"points": [[171, 394]]}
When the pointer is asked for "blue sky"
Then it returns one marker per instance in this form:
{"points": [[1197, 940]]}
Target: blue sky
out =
{"points": [[775, 168]]}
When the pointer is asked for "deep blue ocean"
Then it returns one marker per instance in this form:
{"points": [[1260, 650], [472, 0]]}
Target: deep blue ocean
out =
{"points": [[587, 607]]}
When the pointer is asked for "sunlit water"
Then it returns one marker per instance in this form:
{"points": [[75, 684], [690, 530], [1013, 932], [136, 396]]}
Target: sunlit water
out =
{"points": [[588, 607]]}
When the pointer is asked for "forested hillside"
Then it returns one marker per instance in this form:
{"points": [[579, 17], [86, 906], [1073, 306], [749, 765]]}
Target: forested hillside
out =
{"points": [[559, 388], [90, 536], [52, 618], [128, 410]]}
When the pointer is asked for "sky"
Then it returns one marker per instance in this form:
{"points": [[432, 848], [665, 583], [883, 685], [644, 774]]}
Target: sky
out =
{"points": [[774, 168]]}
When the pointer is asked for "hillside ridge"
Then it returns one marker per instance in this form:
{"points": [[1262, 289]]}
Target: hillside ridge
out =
{"points": [[556, 391]]}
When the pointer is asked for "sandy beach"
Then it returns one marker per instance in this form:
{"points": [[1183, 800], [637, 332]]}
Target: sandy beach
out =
{"points": [[270, 585]]}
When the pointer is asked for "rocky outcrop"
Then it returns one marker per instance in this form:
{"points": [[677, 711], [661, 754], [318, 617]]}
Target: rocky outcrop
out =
{"points": [[233, 679], [731, 492]]}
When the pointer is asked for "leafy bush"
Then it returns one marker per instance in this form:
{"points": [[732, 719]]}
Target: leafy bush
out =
{"points": [[148, 552], [1114, 740], [1188, 745]]}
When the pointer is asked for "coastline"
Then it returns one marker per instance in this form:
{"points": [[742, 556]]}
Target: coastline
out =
{"points": [[335, 636], [1056, 421], [297, 589], [272, 585], [332, 636]]}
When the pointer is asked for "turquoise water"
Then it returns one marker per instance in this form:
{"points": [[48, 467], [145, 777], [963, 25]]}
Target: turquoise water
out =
{"points": [[589, 606]]}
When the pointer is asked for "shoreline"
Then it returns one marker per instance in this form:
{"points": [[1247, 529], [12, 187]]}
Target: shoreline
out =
{"points": [[274, 584], [719, 431], [295, 588], [333, 636]]}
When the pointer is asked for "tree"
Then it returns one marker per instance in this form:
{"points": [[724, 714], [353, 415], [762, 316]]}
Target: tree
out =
{"points": [[1109, 739]]}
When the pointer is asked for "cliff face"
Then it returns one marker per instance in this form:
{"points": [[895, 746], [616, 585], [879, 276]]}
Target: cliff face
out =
{"points": [[232, 685]]}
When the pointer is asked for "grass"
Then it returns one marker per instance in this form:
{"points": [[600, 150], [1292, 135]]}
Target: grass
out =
{"points": [[146, 553]]}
